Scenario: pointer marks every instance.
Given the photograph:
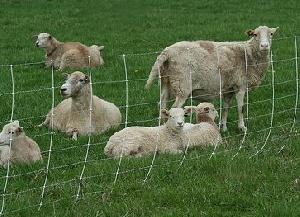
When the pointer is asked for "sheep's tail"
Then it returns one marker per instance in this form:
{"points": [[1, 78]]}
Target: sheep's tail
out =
{"points": [[156, 68]]}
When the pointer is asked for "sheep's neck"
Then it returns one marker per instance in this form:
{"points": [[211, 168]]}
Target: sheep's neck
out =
{"points": [[81, 102], [51, 49], [258, 63], [172, 131], [205, 118]]}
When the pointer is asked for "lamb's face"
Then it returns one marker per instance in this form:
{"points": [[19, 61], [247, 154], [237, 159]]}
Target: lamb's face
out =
{"points": [[263, 35], [10, 132], [74, 84], [43, 40], [175, 117], [207, 109]]}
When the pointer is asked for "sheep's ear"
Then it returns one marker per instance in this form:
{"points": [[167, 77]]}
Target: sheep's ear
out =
{"points": [[206, 109], [50, 37], [188, 110], [17, 123], [165, 113], [19, 130], [249, 32], [273, 30], [35, 36], [87, 78]]}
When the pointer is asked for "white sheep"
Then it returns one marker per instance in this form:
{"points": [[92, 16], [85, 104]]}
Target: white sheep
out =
{"points": [[72, 115], [195, 67], [140, 141], [23, 149], [205, 132], [69, 54]]}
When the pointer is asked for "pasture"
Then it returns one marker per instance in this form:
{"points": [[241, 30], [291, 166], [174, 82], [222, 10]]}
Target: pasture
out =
{"points": [[197, 184]]}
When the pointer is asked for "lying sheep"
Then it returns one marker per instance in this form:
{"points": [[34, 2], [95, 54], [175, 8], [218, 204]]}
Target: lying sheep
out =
{"points": [[69, 54], [23, 148], [72, 115], [205, 132], [140, 141], [195, 68]]}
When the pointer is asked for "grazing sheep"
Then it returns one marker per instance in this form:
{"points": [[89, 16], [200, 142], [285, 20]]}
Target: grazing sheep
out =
{"points": [[195, 67], [23, 148], [69, 54], [72, 115], [140, 141], [205, 132]]}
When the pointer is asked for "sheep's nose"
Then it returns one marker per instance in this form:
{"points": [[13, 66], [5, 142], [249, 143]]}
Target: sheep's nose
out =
{"points": [[180, 124], [62, 90], [264, 45]]}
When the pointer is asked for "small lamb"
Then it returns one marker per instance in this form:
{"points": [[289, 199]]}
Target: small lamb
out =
{"points": [[141, 141], [205, 132], [69, 54], [23, 149], [72, 115]]}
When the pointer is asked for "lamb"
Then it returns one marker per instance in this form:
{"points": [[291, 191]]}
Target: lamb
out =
{"points": [[72, 115], [23, 149], [69, 54], [196, 67], [141, 141], [205, 132]]}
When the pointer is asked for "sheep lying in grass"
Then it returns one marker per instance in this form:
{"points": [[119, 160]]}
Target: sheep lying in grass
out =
{"points": [[205, 61], [72, 115], [69, 54], [140, 141], [23, 148], [205, 132]]}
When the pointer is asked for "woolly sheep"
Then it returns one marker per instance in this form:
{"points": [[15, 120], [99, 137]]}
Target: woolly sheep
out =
{"points": [[205, 132], [23, 148], [205, 61], [69, 54], [72, 115], [140, 141]]}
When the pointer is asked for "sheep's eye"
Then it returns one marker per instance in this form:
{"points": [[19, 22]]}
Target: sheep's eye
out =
{"points": [[81, 80], [271, 33], [255, 35]]}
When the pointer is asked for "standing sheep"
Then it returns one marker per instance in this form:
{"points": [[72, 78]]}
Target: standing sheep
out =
{"points": [[72, 115], [23, 148], [140, 141], [195, 68], [205, 132], [69, 54]]}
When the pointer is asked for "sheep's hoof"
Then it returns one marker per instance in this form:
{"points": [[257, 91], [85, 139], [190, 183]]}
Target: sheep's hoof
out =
{"points": [[243, 129], [224, 128]]}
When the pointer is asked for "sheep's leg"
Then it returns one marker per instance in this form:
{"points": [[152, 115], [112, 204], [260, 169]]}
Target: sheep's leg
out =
{"points": [[227, 102], [240, 103], [164, 97]]}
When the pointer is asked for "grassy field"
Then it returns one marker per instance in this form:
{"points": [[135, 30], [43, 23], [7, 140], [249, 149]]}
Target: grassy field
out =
{"points": [[265, 185]]}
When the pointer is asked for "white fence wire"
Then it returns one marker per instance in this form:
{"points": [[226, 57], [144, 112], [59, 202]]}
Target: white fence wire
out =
{"points": [[81, 181]]}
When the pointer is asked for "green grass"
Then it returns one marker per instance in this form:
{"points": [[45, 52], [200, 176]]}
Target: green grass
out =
{"points": [[220, 186]]}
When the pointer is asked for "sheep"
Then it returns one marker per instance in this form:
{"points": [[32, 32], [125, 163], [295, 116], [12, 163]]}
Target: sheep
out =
{"points": [[141, 141], [72, 115], [196, 67], [69, 54], [23, 149], [205, 132]]}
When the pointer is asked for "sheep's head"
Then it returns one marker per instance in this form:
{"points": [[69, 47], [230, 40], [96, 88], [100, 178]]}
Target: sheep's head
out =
{"points": [[74, 84], [10, 131], [175, 117], [43, 40], [205, 109], [263, 36]]}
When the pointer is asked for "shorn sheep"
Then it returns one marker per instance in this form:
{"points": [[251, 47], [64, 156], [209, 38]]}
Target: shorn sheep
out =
{"points": [[205, 132], [140, 141], [69, 54], [23, 149], [195, 68], [72, 115]]}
